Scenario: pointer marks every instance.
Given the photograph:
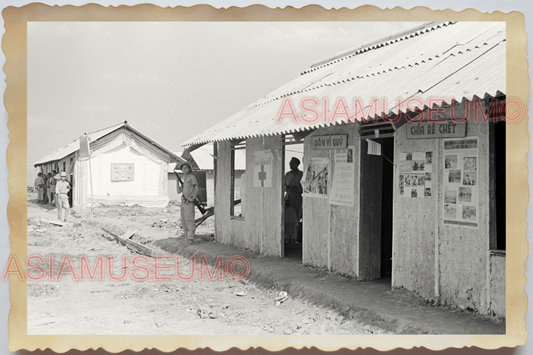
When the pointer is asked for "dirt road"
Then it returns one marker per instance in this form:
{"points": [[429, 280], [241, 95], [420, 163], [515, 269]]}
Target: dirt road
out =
{"points": [[150, 306]]}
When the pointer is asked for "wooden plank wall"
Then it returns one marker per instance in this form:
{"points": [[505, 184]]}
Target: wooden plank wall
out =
{"points": [[463, 251], [414, 224], [222, 197], [272, 212], [330, 232], [263, 214], [438, 261], [254, 200], [344, 221]]}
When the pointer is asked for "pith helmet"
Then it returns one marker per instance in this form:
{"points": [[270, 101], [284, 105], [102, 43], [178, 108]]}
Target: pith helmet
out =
{"points": [[189, 165]]}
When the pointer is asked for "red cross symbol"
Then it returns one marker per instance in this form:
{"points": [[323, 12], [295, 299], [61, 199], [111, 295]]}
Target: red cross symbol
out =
{"points": [[262, 175]]}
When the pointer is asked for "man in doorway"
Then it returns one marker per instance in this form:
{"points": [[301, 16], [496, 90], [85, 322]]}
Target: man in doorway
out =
{"points": [[188, 188], [293, 199], [62, 189]]}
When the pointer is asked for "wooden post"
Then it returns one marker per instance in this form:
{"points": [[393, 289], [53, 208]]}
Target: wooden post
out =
{"points": [[92, 192]]}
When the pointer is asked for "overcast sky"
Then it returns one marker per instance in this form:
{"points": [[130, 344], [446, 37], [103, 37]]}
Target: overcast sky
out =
{"points": [[169, 80]]}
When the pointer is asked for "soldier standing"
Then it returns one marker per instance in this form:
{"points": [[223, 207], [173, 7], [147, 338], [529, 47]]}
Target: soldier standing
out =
{"points": [[188, 189], [62, 189]]}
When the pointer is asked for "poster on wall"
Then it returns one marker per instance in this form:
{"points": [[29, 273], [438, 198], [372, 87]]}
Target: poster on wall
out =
{"points": [[263, 168], [122, 171], [316, 177], [342, 185], [460, 183], [415, 174]]}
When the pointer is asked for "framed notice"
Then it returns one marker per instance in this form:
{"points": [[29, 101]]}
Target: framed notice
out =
{"points": [[342, 186], [460, 182], [316, 177], [122, 171]]}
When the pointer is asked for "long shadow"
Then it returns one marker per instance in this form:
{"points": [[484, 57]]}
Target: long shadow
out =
{"points": [[45, 206]]}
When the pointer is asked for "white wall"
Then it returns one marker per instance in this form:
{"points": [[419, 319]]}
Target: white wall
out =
{"points": [[146, 174]]}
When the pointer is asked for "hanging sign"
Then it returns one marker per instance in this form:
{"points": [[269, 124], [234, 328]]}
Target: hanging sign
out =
{"points": [[427, 130], [339, 141]]}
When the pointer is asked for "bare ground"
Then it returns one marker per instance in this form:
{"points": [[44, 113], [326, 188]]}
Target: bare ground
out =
{"points": [[151, 306]]}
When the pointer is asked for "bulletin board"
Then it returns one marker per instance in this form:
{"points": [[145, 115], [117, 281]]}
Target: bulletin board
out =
{"points": [[460, 182], [122, 171], [415, 178]]}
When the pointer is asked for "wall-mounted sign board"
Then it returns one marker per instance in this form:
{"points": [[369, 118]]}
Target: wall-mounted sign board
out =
{"points": [[338, 141], [122, 171], [426, 130]]}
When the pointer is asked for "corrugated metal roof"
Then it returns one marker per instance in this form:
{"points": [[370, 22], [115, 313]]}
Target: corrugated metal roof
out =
{"points": [[450, 60], [203, 159], [93, 137]]}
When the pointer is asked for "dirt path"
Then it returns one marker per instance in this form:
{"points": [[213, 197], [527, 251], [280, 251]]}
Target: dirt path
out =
{"points": [[151, 306]]}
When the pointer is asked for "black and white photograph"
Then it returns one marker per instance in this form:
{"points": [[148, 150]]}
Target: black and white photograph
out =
{"points": [[160, 206], [450, 196], [469, 178], [469, 212], [470, 163], [450, 162], [465, 194], [450, 211], [454, 176], [429, 158]]}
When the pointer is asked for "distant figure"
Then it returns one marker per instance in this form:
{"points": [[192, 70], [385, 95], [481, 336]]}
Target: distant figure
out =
{"points": [[39, 186], [62, 189], [293, 199], [45, 189], [188, 188], [53, 187]]}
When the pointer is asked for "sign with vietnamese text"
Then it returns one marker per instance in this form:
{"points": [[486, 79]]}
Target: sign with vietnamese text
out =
{"points": [[339, 141], [428, 130]]}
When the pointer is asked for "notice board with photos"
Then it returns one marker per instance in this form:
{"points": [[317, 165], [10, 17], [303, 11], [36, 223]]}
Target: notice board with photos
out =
{"points": [[460, 182], [122, 171], [415, 180], [342, 185]]}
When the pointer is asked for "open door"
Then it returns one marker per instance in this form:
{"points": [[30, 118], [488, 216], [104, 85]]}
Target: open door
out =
{"points": [[376, 184], [292, 215]]}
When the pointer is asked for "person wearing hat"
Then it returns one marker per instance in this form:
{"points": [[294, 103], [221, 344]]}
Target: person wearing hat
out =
{"points": [[188, 188], [62, 189], [293, 199]]}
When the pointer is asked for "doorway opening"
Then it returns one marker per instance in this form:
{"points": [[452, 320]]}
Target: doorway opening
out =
{"points": [[292, 199], [387, 189], [376, 187]]}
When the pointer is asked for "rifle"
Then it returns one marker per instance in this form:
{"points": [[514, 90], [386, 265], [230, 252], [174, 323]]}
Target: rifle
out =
{"points": [[196, 202]]}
